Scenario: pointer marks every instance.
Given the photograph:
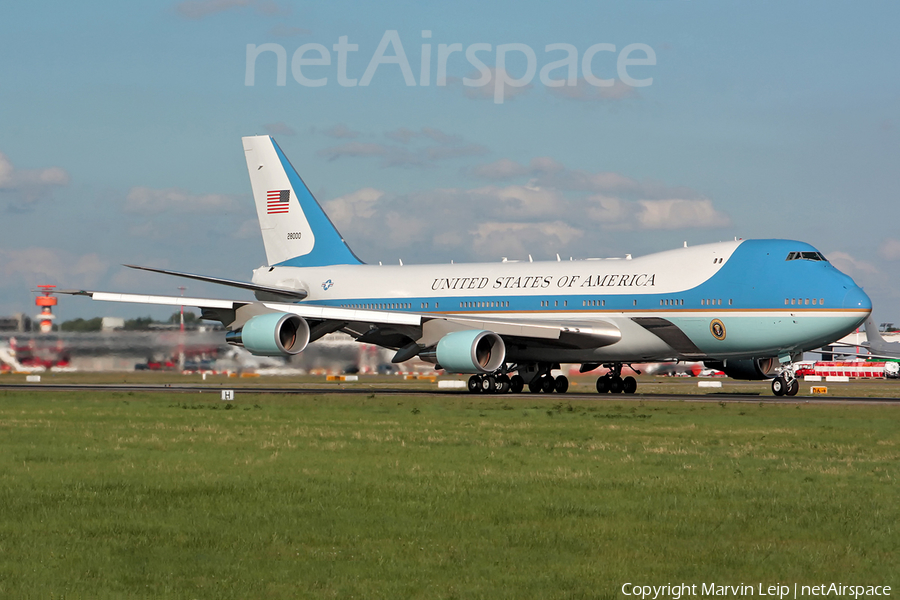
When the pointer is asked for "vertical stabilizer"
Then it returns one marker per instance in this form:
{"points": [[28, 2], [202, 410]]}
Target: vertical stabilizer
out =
{"points": [[295, 230], [873, 336]]}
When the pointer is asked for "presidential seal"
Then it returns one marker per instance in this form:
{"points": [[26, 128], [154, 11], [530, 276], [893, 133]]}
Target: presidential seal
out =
{"points": [[717, 329]]}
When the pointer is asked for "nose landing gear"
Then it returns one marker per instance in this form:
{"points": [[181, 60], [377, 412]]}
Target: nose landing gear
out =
{"points": [[786, 384]]}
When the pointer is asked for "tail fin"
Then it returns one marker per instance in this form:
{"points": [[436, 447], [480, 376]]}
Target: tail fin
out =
{"points": [[873, 336], [295, 230]]}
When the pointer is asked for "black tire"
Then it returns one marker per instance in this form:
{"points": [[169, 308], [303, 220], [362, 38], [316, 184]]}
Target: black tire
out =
{"points": [[779, 386], [534, 386], [488, 384], [615, 385], [474, 384], [561, 384], [603, 385], [502, 384], [793, 388], [516, 384], [547, 384], [629, 385]]}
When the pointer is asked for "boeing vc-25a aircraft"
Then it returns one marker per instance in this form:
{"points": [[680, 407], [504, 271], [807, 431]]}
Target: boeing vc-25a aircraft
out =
{"points": [[745, 306]]}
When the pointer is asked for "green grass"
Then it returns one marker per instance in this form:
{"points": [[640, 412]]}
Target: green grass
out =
{"points": [[184, 496]]}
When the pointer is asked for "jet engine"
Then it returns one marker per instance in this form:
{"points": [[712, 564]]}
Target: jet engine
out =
{"points": [[272, 334], [470, 351], [748, 368]]}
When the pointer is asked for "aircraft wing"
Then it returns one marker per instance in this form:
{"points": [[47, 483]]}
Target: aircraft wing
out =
{"points": [[382, 327], [150, 299]]}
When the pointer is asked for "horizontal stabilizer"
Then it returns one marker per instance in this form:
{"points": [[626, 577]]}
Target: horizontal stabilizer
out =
{"points": [[294, 294]]}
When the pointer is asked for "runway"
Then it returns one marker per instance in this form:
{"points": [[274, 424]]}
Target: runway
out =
{"points": [[344, 390]]}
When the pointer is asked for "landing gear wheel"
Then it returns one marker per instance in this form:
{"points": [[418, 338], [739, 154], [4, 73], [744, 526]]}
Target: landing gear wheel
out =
{"points": [[547, 384], [516, 384], [779, 386], [603, 385], [534, 386], [561, 384], [488, 384], [793, 388], [629, 385], [474, 384], [615, 385], [502, 384]]}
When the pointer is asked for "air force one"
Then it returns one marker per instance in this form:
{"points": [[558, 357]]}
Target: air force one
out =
{"points": [[747, 307]]}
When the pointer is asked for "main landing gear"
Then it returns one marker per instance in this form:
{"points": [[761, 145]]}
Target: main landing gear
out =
{"points": [[495, 383], [786, 384], [613, 383], [500, 382]]}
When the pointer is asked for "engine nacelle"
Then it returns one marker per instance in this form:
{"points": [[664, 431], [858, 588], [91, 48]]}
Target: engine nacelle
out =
{"points": [[471, 351], [748, 368], [272, 334]]}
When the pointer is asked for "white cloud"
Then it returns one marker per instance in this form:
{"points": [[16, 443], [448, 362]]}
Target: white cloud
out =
{"points": [[41, 265], [510, 169], [354, 149], [402, 135], [445, 152], [889, 249], [341, 131], [30, 184], [279, 128], [680, 214], [496, 239], [558, 209], [850, 265], [356, 205], [144, 200], [520, 201], [608, 210], [500, 169], [445, 146]]}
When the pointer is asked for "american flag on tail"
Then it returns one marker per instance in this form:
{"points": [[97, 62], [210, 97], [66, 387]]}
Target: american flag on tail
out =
{"points": [[278, 201]]}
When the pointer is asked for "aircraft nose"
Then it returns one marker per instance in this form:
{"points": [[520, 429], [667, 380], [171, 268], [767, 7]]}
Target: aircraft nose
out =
{"points": [[857, 298]]}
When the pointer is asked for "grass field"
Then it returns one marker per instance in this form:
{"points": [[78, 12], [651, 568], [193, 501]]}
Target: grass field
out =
{"points": [[373, 496]]}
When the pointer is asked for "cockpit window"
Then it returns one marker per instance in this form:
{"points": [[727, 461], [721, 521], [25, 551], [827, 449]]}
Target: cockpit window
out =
{"points": [[805, 256]]}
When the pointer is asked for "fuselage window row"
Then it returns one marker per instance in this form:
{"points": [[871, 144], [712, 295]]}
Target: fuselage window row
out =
{"points": [[388, 306], [804, 301], [671, 302], [593, 302], [486, 304]]}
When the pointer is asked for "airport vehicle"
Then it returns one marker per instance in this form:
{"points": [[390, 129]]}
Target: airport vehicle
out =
{"points": [[745, 307]]}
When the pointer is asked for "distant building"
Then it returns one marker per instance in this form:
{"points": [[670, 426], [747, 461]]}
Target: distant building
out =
{"points": [[18, 323], [112, 323]]}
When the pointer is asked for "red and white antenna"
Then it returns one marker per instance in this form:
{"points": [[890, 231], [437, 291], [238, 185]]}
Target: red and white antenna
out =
{"points": [[46, 301]]}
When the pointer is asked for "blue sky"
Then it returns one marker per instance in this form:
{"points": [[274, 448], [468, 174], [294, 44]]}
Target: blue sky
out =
{"points": [[120, 127]]}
